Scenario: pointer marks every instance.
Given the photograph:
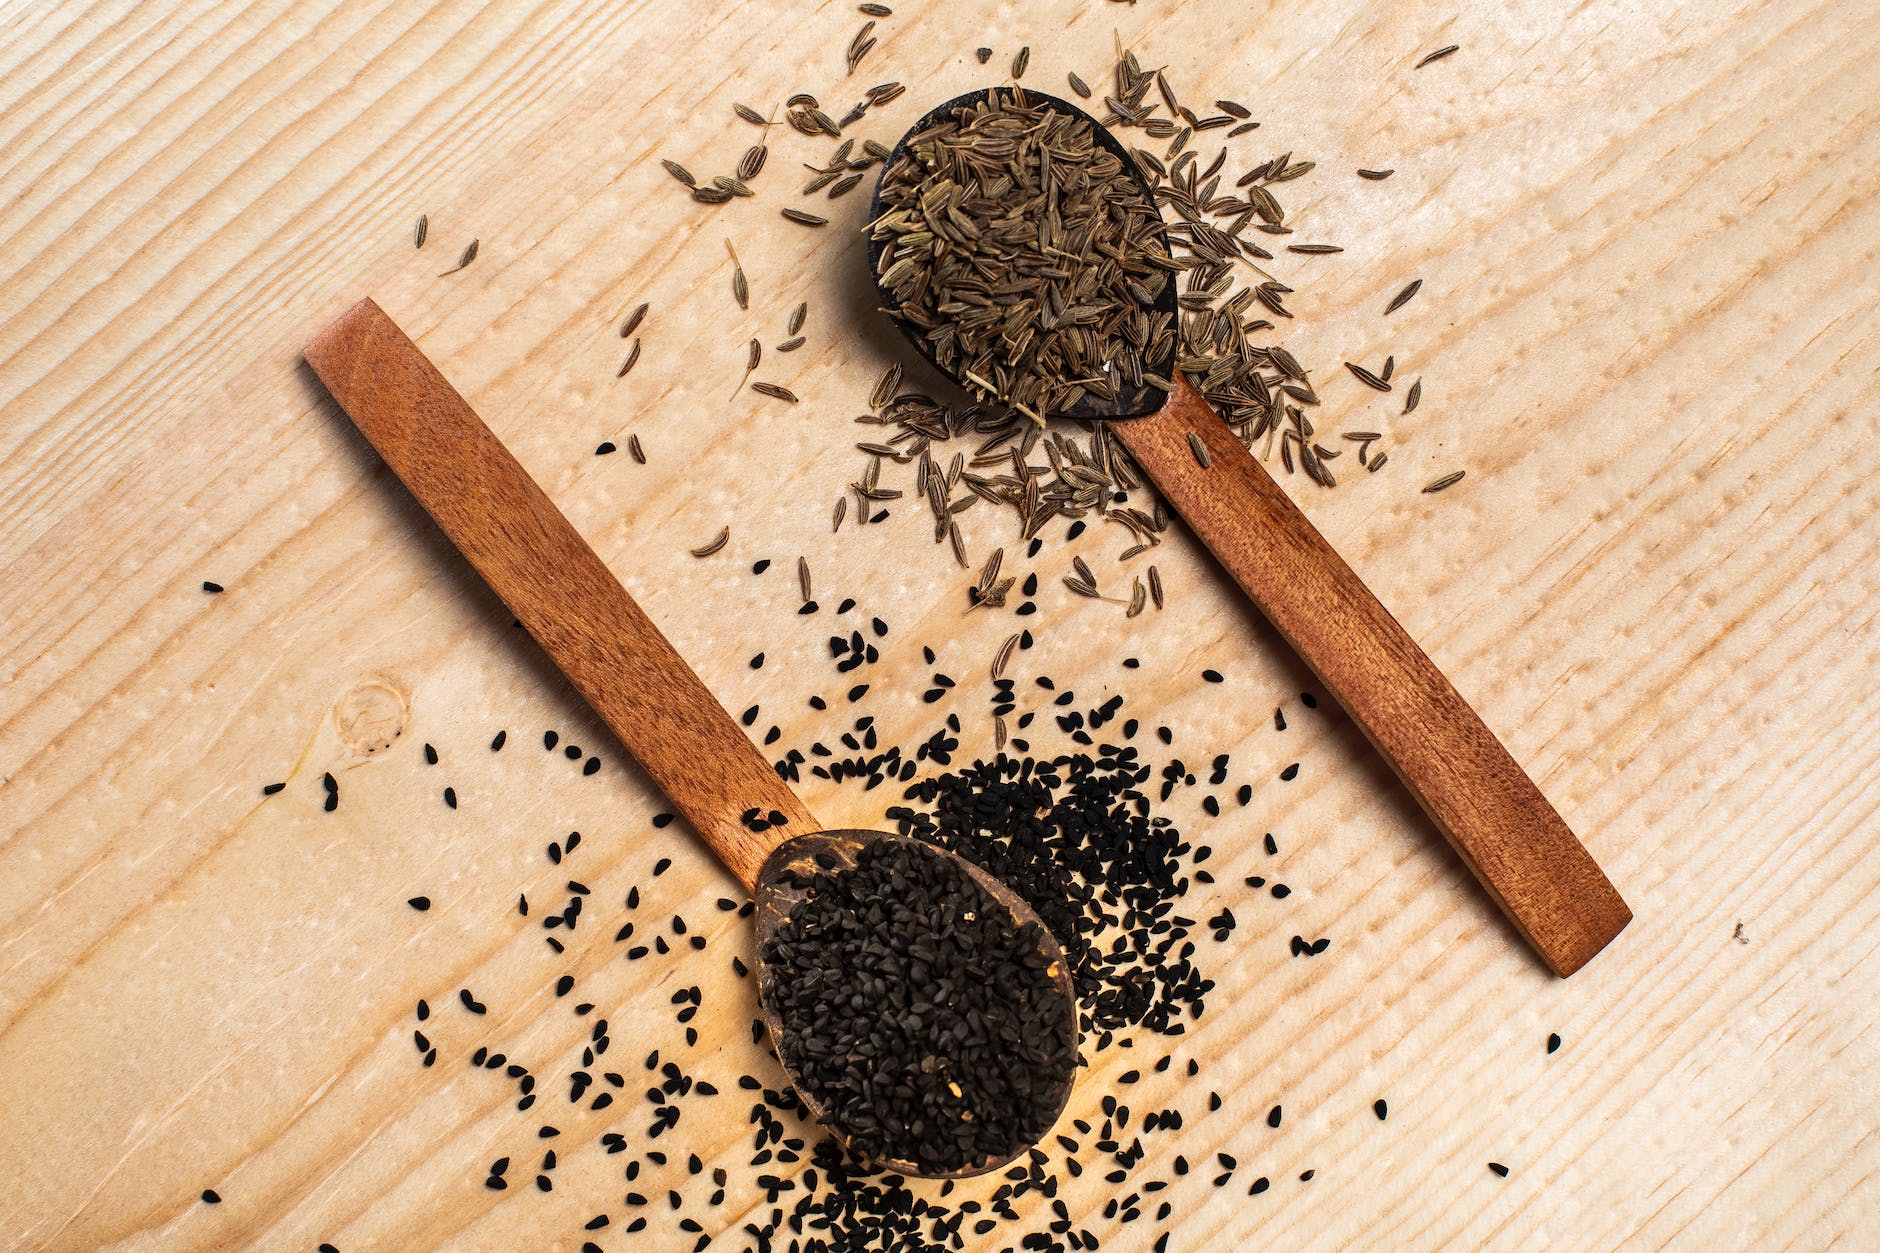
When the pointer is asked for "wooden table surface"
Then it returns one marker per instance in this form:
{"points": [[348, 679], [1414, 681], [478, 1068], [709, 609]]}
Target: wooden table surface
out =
{"points": [[1647, 330]]}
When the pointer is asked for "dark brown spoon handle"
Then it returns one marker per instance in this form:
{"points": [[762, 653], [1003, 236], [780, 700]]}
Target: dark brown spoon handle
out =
{"points": [[1478, 796], [573, 606]]}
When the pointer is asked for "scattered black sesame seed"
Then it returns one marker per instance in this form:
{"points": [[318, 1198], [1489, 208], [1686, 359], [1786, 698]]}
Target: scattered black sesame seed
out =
{"points": [[212, 589], [419, 903]]}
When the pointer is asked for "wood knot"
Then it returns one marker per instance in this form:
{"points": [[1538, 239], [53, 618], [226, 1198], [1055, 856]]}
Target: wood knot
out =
{"points": [[371, 715]]}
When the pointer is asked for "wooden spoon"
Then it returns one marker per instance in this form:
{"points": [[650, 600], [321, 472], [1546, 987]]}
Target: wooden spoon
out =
{"points": [[530, 554], [1490, 811]]}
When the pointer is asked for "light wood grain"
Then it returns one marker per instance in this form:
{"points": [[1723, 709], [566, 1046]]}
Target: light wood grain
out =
{"points": [[564, 595], [1646, 329], [1491, 813]]}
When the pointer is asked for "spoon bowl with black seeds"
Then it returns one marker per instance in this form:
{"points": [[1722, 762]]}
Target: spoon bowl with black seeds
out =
{"points": [[923, 1012], [1019, 246]]}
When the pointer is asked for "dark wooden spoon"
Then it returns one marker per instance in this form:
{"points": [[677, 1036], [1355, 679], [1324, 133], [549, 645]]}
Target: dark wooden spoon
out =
{"points": [[574, 607], [1476, 793]]}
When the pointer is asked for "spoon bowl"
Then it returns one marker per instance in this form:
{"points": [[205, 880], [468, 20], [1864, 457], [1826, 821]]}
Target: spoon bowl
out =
{"points": [[1129, 401], [782, 883]]}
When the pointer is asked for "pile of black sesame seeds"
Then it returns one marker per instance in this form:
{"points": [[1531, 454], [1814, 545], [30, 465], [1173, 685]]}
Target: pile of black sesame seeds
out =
{"points": [[921, 1016], [1080, 841]]}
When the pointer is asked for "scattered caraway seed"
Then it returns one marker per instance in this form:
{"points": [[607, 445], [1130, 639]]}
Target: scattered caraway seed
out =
{"points": [[806, 219], [740, 286], [634, 319], [1437, 55], [1402, 298], [718, 542], [1447, 481], [876, 10], [1416, 395], [469, 255], [1313, 250], [633, 447], [1366, 377], [1199, 449], [1079, 86], [859, 46], [420, 231], [1375, 175], [750, 115], [1020, 61], [680, 172], [773, 390], [633, 358]]}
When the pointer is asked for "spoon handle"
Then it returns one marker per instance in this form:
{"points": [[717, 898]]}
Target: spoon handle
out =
{"points": [[573, 606], [1490, 811]]}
